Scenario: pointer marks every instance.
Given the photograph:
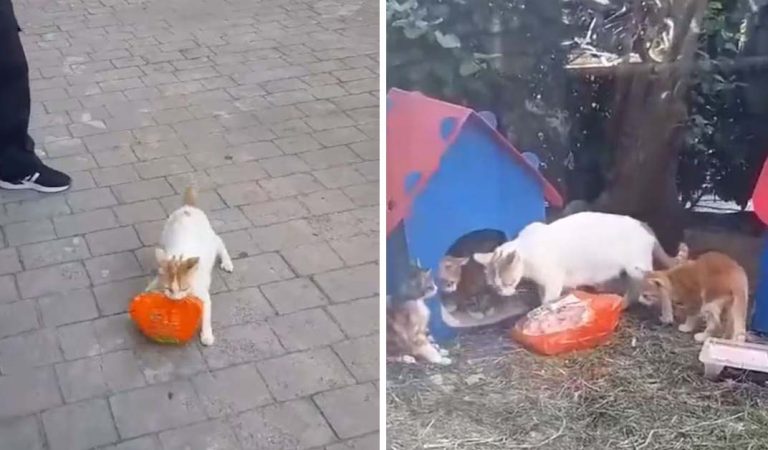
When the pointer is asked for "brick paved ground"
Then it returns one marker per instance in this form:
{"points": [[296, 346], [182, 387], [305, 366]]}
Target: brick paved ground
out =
{"points": [[271, 108]]}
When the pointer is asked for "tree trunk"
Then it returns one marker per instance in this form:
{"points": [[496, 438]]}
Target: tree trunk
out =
{"points": [[649, 118]]}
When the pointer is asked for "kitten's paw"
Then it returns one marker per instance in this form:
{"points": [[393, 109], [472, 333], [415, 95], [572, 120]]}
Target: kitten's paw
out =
{"points": [[666, 319], [227, 266], [207, 339], [443, 352], [444, 361], [700, 337], [408, 359], [685, 328], [450, 307]]}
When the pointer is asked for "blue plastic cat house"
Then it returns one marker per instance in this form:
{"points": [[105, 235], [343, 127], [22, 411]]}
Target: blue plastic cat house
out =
{"points": [[449, 172], [760, 204]]}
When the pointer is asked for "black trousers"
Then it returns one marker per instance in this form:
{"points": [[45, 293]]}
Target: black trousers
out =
{"points": [[17, 154]]}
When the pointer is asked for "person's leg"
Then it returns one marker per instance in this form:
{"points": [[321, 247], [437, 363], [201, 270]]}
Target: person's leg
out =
{"points": [[20, 168]]}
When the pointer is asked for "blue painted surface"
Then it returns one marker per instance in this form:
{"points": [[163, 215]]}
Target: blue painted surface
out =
{"points": [[477, 186], [760, 315], [411, 180], [447, 126]]}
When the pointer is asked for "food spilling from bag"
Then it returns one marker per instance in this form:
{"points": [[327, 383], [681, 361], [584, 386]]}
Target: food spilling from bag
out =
{"points": [[579, 321]]}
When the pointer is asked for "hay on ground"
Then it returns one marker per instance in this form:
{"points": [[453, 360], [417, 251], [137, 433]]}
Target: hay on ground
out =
{"points": [[643, 390]]}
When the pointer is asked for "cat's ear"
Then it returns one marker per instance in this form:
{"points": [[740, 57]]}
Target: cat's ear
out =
{"points": [[483, 258], [161, 256], [190, 263], [462, 261]]}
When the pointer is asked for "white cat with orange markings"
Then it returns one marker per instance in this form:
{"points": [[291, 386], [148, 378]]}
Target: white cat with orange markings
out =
{"points": [[188, 252], [712, 289], [583, 249]]}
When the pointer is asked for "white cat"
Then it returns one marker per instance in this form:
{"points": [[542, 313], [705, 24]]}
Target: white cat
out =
{"points": [[187, 256], [583, 249]]}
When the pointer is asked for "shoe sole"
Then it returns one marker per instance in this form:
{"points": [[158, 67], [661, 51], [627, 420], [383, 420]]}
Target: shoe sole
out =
{"points": [[31, 186]]}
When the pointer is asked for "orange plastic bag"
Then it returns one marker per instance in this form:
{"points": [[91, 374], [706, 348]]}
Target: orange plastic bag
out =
{"points": [[579, 321], [164, 320]]}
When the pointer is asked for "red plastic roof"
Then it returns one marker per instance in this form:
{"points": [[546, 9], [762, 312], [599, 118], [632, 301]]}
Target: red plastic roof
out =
{"points": [[415, 144], [760, 195]]}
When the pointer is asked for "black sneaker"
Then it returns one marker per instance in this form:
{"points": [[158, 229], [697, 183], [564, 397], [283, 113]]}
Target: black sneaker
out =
{"points": [[44, 179]]}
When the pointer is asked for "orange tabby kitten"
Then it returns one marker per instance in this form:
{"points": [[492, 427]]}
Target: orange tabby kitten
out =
{"points": [[712, 288]]}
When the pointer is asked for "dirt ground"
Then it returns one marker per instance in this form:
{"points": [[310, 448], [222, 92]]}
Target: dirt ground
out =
{"points": [[643, 390]]}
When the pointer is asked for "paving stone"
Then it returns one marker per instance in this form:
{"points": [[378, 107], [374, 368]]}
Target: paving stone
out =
{"points": [[116, 333], [284, 165], [81, 379], [327, 201], [78, 340], [67, 307], [304, 373], [110, 176], [21, 433], [83, 223], [115, 158], [161, 167], [256, 270], [290, 185], [114, 267], [53, 279], [112, 241], [25, 351], [363, 194], [155, 408], [17, 317], [9, 261], [229, 219], [204, 436], [306, 329], [150, 442], [297, 144], [284, 235], [28, 392], [357, 249], [142, 190], [295, 425], [242, 194], [368, 442], [336, 177], [8, 291], [121, 370], [350, 283], [293, 295], [361, 356], [330, 157], [143, 211], [241, 343], [165, 363], [91, 199], [352, 411], [312, 258], [267, 213], [113, 298], [238, 307], [150, 232], [79, 426], [207, 201], [357, 318], [53, 252], [29, 232], [231, 390], [34, 209]]}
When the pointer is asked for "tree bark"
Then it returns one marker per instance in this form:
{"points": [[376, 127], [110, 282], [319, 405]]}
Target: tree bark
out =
{"points": [[647, 129]]}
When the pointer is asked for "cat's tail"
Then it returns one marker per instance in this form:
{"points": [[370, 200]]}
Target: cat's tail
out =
{"points": [[738, 311], [667, 261], [190, 197]]}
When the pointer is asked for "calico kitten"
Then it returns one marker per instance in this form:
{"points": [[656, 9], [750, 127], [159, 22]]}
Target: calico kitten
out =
{"points": [[188, 252], [583, 249], [407, 320], [462, 280], [712, 288]]}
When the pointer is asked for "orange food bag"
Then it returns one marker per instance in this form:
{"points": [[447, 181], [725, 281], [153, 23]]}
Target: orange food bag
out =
{"points": [[579, 321], [165, 320]]}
